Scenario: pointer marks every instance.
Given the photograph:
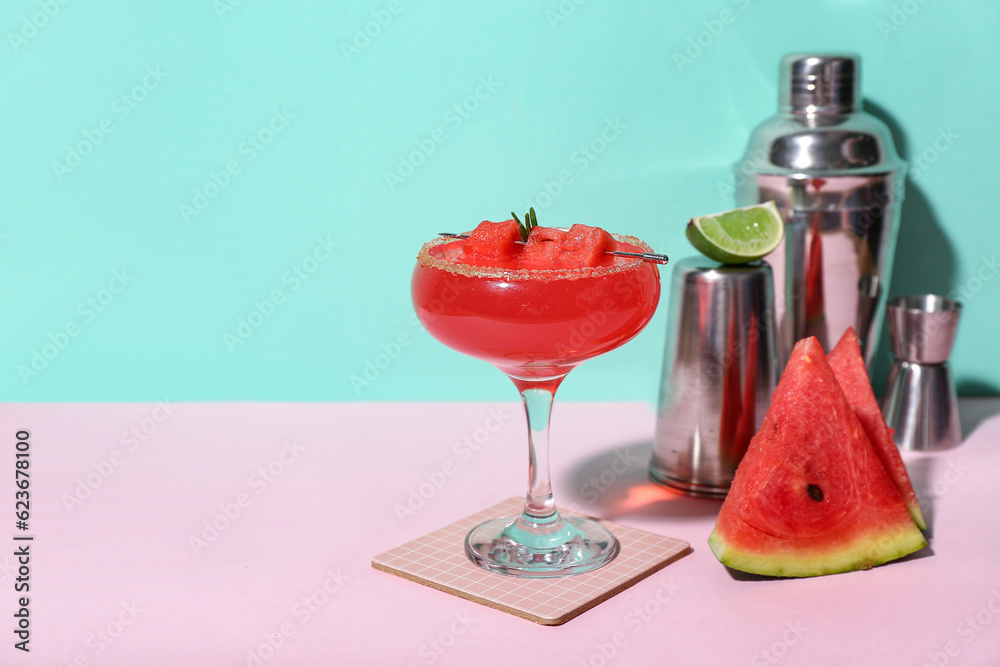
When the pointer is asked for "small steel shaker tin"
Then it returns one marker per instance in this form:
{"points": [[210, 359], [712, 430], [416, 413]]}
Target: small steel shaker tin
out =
{"points": [[720, 368]]}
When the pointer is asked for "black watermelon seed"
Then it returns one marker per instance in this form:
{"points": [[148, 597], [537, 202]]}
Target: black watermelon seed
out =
{"points": [[815, 492]]}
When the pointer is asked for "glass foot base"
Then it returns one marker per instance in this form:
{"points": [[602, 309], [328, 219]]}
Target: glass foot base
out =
{"points": [[558, 547]]}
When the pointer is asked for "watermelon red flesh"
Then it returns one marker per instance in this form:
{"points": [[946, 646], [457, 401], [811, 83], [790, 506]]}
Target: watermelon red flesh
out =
{"points": [[849, 367], [586, 246], [498, 244], [492, 242], [811, 496], [543, 248]]}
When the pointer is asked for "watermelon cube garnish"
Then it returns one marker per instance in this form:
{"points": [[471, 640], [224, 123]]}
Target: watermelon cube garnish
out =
{"points": [[492, 241], [543, 248], [587, 246]]}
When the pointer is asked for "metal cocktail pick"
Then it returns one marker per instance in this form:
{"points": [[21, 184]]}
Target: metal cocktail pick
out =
{"points": [[654, 257]]}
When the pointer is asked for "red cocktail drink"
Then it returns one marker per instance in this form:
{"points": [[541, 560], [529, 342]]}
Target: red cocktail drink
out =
{"points": [[533, 322], [536, 310]]}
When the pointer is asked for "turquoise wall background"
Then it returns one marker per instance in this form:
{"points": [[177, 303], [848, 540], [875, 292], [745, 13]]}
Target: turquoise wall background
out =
{"points": [[221, 200]]}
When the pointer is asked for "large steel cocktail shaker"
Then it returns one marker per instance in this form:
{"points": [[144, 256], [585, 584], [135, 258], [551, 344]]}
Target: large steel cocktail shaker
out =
{"points": [[835, 175]]}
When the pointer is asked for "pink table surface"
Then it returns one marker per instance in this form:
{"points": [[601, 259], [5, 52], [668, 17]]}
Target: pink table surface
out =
{"points": [[126, 567]]}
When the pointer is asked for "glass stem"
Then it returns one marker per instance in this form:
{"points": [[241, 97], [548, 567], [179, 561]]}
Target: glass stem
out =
{"points": [[537, 396]]}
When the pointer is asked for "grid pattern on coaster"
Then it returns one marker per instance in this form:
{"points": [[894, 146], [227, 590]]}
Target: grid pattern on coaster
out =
{"points": [[438, 560]]}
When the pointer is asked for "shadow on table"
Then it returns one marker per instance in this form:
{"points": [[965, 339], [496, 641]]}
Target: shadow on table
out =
{"points": [[933, 475], [618, 482], [923, 474], [979, 405]]}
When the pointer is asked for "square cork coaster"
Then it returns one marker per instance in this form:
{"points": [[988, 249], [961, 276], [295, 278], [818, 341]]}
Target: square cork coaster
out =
{"points": [[438, 560]]}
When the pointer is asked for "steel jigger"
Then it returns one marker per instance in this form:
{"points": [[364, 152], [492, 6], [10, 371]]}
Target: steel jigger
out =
{"points": [[920, 401]]}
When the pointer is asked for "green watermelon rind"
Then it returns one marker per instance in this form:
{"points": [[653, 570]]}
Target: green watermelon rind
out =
{"points": [[863, 553]]}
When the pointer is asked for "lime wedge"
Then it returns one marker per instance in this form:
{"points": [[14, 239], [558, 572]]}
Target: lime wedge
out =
{"points": [[738, 236]]}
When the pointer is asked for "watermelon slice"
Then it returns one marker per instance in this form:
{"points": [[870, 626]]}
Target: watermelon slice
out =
{"points": [[811, 496], [492, 242], [849, 367], [586, 246]]}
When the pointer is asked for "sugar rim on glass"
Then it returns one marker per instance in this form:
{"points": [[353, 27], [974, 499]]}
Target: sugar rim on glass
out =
{"points": [[426, 259]]}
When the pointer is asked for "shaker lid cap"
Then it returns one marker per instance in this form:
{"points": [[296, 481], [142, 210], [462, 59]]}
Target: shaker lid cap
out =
{"points": [[819, 83]]}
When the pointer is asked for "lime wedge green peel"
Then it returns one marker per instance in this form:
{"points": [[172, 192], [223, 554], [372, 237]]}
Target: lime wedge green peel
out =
{"points": [[738, 236]]}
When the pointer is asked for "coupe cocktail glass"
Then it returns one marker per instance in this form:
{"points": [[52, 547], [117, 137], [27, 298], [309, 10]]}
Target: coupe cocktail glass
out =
{"points": [[535, 325]]}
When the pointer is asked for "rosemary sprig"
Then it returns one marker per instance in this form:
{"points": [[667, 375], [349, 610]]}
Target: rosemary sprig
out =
{"points": [[530, 222]]}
